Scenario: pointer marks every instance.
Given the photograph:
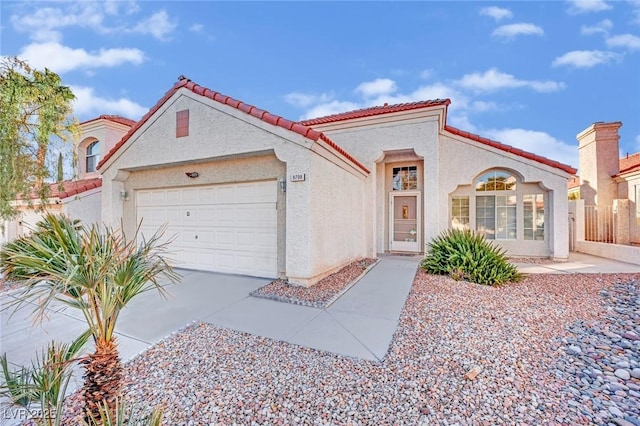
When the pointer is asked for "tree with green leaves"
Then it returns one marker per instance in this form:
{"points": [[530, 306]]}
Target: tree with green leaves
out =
{"points": [[35, 108], [95, 270]]}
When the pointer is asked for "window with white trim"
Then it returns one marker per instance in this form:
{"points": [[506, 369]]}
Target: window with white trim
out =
{"points": [[460, 212], [92, 156], [496, 214], [500, 206], [534, 217]]}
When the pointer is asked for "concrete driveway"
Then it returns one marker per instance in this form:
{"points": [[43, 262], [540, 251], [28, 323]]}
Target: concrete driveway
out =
{"points": [[360, 324]]}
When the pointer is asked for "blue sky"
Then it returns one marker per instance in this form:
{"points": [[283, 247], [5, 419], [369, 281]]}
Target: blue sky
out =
{"points": [[530, 74]]}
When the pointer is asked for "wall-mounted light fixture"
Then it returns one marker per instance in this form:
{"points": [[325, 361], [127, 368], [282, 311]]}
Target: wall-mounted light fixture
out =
{"points": [[282, 184], [123, 195], [192, 175]]}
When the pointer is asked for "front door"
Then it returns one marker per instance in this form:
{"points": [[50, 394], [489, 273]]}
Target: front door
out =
{"points": [[404, 226]]}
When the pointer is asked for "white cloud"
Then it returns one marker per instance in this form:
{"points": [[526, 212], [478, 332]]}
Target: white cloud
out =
{"points": [[432, 91], [45, 23], [482, 106], [196, 28], [88, 104], [587, 6], [602, 27], [61, 58], [158, 25], [635, 4], [513, 30], [333, 107], [497, 13], [493, 80], [638, 143], [427, 74], [628, 41], [307, 99], [585, 58], [538, 142], [377, 87]]}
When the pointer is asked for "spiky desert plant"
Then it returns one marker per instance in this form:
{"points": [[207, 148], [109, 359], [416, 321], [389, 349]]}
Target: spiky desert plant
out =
{"points": [[40, 389], [463, 254], [95, 270], [125, 414]]}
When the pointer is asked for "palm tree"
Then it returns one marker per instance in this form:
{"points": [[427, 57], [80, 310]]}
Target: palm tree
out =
{"points": [[96, 270]]}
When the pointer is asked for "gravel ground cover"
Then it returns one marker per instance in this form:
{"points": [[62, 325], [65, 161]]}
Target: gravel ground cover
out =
{"points": [[320, 295], [6, 286], [512, 335], [601, 360]]}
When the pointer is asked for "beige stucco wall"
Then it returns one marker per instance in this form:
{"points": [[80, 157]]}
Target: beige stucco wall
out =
{"points": [[105, 131], [86, 206], [599, 160], [463, 161], [227, 145], [336, 225], [447, 161], [417, 134], [627, 190]]}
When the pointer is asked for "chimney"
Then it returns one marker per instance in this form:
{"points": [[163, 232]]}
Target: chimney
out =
{"points": [[598, 150]]}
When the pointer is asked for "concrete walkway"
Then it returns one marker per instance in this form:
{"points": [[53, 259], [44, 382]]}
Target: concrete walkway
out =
{"points": [[580, 263]]}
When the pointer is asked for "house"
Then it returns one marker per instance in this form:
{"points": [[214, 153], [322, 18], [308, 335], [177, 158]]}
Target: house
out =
{"points": [[245, 191], [80, 197], [608, 183]]}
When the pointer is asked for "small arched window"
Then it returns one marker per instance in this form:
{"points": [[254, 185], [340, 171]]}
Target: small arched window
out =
{"points": [[496, 181], [93, 156]]}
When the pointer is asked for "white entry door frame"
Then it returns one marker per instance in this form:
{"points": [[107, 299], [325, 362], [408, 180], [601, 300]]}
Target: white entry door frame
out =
{"points": [[405, 221]]}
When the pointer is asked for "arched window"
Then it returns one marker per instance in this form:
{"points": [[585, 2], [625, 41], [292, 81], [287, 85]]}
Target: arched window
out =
{"points": [[93, 156], [496, 213], [496, 180], [500, 206]]}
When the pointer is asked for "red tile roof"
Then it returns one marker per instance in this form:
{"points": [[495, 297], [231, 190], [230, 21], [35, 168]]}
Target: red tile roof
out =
{"points": [[513, 150], [386, 109], [115, 118], [69, 188], [376, 110], [630, 163], [265, 116]]}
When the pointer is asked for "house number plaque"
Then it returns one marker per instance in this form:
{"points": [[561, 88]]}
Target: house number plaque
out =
{"points": [[298, 177]]}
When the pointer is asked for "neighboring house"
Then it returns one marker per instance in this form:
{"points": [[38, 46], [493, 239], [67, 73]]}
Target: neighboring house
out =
{"points": [[607, 181], [245, 191], [79, 198]]}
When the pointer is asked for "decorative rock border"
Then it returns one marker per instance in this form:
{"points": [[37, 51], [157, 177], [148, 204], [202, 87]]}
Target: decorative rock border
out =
{"points": [[322, 294]]}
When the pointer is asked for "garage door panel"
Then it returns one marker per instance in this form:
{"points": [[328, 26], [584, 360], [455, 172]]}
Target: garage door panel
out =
{"points": [[235, 225], [207, 195], [173, 197]]}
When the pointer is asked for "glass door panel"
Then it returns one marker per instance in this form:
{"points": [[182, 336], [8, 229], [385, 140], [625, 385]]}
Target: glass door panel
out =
{"points": [[405, 222]]}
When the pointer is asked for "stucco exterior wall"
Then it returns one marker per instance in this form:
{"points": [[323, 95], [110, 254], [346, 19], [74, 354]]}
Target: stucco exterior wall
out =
{"points": [[227, 145], [447, 162], [462, 161], [337, 228], [599, 160], [86, 207], [370, 143], [628, 189], [105, 131]]}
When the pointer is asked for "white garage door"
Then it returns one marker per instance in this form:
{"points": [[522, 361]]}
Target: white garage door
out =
{"points": [[224, 228]]}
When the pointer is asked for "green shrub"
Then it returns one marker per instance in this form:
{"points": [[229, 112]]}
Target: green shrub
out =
{"points": [[464, 255]]}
